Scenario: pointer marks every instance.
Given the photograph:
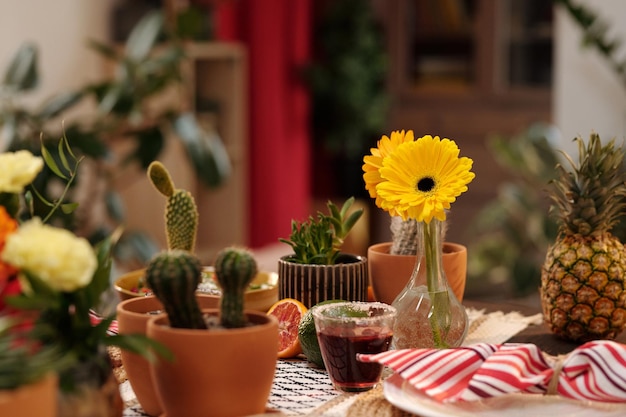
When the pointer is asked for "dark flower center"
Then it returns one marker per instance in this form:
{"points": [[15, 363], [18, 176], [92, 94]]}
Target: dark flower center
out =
{"points": [[426, 184]]}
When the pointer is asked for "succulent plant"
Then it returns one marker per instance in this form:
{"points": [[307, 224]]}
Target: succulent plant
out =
{"points": [[319, 240], [234, 268], [181, 213], [174, 276]]}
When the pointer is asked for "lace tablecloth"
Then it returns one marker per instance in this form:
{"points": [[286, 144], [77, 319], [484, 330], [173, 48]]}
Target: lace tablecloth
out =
{"points": [[300, 388]]}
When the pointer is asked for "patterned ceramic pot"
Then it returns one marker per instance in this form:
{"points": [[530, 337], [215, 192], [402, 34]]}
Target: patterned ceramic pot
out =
{"points": [[311, 284]]}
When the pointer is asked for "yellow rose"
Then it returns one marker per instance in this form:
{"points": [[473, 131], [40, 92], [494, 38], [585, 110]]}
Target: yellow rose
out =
{"points": [[56, 256], [17, 170]]}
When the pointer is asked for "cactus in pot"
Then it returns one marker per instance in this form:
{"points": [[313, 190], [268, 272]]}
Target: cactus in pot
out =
{"points": [[235, 358], [174, 276], [234, 268], [181, 213]]}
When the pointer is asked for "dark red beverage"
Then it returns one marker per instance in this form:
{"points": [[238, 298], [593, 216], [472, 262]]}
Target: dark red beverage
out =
{"points": [[345, 371]]}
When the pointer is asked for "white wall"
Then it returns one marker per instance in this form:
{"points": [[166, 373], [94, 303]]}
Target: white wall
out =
{"points": [[588, 96], [61, 29]]}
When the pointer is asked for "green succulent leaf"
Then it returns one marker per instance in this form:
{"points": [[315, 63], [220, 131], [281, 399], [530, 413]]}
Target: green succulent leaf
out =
{"points": [[318, 240]]}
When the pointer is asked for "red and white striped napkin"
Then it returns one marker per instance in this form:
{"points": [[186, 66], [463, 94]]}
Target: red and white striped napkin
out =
{"points": [[594, 371], [96, 318]]}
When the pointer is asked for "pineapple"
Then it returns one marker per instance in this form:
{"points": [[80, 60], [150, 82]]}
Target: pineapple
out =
{"points": [[582, 290]]}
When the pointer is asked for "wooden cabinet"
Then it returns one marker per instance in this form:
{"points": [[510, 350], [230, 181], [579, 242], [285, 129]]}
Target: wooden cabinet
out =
{"points": [[466, 70], [470, 47], [217, 75]]}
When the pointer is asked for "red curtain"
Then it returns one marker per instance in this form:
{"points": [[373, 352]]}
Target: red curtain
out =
{"points": [[277, 34]]}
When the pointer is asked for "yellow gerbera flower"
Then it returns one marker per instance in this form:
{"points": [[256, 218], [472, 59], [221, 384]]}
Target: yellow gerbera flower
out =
{"points": [[420, 179], [372, 163]]}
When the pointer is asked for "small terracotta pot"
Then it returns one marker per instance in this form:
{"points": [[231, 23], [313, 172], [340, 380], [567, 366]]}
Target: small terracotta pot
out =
{"points": [[389, 274], [36, 399], [260, 299], [217, 372], [310, 284], [132, 317]]}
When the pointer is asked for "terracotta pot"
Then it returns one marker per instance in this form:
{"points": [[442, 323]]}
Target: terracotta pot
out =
{"points": [[260, 298], [219, 372], [390, 273], [36, 399], [310, 284], [132, 317]]}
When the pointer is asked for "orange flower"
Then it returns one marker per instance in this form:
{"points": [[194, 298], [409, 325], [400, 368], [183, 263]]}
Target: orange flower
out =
{"points": [[8, 225]]}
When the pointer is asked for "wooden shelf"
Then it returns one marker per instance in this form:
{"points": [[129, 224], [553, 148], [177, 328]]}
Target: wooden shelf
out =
{"points": [[217, 76], [490, 76]]}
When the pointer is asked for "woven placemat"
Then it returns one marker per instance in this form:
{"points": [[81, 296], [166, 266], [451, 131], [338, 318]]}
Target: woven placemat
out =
{"points": [[374, 404]]}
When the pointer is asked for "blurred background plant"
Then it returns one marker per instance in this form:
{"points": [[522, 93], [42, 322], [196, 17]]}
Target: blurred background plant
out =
{"points": [[348, 95], [129, 126], [514, 230]]}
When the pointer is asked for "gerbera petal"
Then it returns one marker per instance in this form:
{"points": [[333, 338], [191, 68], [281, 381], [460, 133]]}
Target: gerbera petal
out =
{"points": [[372, 163], [431, 162]]}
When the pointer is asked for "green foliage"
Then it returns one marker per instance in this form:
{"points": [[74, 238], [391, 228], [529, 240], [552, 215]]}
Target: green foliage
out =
{"points": [[64, 326], [318, 240], [347, 81], [147, 66], [65, 171], [22, 360], [513, 232], [596, 35]]}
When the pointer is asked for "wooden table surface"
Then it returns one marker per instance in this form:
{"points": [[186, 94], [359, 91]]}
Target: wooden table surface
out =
{"points": [[539, 335]]}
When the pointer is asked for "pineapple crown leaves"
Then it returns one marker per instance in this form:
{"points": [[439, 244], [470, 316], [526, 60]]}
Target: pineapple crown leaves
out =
{"points": [[318, 240], [589, 198]]}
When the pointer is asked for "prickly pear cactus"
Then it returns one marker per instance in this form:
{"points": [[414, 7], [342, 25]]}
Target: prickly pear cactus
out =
{"points": [[234, 268], [181, 214], [173, 277]]}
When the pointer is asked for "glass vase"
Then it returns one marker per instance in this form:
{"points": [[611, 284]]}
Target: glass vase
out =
{"points": [[429, 314]]}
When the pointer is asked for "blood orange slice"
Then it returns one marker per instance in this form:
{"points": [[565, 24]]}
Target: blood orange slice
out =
{"points": [[289, 312]]}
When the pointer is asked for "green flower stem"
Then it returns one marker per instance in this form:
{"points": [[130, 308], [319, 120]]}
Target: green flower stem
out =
{"points": [[440, 311]]}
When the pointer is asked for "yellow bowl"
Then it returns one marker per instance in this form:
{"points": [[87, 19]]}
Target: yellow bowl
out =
{"points": [[260, 299]]}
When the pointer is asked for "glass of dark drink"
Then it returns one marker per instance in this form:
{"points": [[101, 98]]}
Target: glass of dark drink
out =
{"points": [[347, 328]]}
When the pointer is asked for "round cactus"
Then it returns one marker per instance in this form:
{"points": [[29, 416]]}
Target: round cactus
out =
{"points": [[234, 268], [173, 277]]}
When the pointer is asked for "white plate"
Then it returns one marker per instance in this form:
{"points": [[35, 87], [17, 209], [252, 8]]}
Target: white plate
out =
{"points": [[401, 394]]}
